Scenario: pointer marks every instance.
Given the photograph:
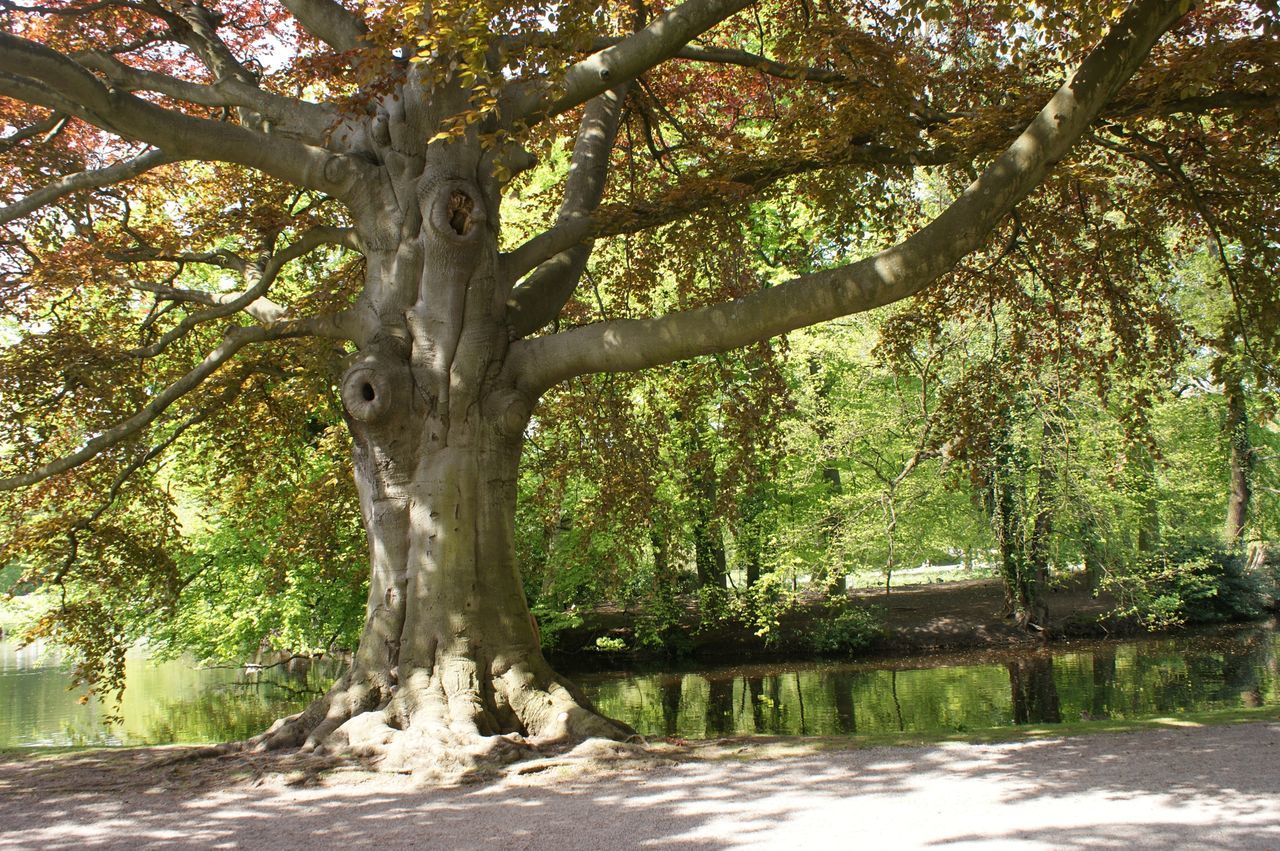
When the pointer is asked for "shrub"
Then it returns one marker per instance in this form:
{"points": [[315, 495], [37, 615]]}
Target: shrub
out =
{"points": [[1187, 583], [844, 628], [553, 622]]}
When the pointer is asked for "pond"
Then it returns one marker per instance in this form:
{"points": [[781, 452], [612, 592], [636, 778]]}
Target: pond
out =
{"points": [[178, 701]]}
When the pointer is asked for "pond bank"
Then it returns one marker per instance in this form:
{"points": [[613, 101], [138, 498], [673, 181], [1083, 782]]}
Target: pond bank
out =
{"points": [[1188, 786], [958, 615]]}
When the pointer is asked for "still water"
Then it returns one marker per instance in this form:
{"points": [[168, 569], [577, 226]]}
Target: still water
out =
{"points": [[178, 701]]}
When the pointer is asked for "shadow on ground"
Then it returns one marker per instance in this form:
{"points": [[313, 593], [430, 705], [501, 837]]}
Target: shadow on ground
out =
{"points": [[1214, 787]]}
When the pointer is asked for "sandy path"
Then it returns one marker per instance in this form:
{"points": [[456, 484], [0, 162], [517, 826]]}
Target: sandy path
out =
{"points": [[1215, 787]]}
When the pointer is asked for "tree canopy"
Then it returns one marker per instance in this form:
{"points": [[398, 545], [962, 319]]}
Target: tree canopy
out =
{"points": [[257, 236]]}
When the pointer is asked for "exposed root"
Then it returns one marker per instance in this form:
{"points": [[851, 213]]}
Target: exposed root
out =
{"points": [[354, 694], [447, 725]]}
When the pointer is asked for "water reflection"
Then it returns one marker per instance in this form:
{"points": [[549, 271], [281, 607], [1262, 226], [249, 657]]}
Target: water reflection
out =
{"points": [[177, 701], [955, 693], [165, 702]]}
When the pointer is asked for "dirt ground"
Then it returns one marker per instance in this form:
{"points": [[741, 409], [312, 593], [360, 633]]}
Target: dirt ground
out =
{"points": [[1188, 787]]}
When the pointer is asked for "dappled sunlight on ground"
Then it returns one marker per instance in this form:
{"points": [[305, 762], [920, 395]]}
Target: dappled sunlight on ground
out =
{"points": [[1212, 787]]}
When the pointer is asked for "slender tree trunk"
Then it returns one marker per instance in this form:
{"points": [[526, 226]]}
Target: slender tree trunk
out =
{"points": [[833, 579], [709, 555], [750, 535], [1093, 551], [663, 578], [1004, 500], [1036, 582], [708, 541], [890, 534], [1241, 459], [1142, 469]]}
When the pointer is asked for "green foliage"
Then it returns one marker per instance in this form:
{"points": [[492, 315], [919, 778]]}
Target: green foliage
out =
{"points": [[662, 625], [552, 623], [844, 628], [19, 612], [610, 644], [1188, 583]]}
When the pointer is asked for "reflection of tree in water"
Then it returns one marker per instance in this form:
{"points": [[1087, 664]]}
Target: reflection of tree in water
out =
{"points": [[1243, 674], [1116, 680], [1103, 663], [1211, 672], [719, 714], [233, 711], [842, 698], [671, 688], [897, 704], [800, 702], [755, 692], [1035, 696]]}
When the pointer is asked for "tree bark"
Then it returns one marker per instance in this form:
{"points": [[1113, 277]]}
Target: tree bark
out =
{"points": [[1241, 459], [449, 658], [1037, 579], [449, 669], [831, 576], [708, 539], [1142, 471]]}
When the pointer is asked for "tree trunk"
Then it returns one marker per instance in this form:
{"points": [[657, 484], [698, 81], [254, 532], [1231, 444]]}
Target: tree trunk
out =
{"points": [[1241, 460], [751, 536], [709, 555], [449, 658], [708, 541], [1005, 499], [1036, 583], [1142, 477]]}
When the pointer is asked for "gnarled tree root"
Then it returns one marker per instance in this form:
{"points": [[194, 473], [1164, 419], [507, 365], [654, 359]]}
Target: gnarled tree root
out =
{"points": [[447, 724]]}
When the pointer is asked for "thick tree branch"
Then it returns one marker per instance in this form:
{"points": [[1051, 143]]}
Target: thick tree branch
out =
{"points": [[36, 74], [537, 301], [629, 58], [235, 340], [1235, 100], [329, 22], [300, 118], [80, 181], [252, 300], [744, 59], [891, 275], [613, 220]]}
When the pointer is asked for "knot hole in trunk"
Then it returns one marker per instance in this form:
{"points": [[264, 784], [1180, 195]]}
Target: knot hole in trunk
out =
{"points": [[460, 207], [368, 390], [456, 211]]}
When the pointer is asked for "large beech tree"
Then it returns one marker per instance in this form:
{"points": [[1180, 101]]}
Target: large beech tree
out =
{"points": [[347, 165]]}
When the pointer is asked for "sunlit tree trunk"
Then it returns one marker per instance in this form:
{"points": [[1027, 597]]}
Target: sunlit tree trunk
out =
{"points": [[449, 648]]}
